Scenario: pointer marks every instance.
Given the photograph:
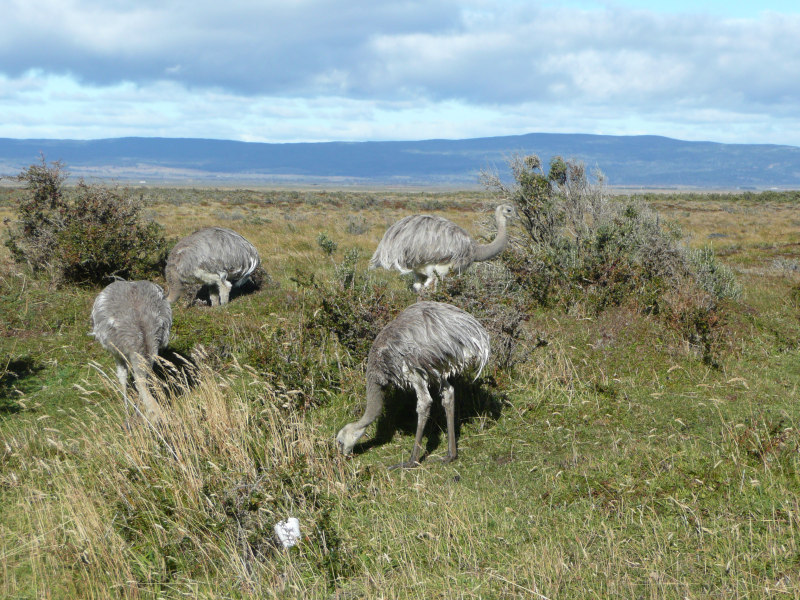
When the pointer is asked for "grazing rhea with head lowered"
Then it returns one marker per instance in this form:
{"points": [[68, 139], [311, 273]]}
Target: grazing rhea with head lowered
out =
{"points": [[132, 319], [430, 246], [214, 256], [426, 344]]}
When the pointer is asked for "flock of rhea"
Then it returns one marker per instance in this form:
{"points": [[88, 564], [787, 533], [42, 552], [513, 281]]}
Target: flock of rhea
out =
{"points": [[426, 345]]}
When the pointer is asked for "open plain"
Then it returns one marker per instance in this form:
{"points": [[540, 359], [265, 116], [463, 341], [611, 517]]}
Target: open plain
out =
{"points": [[608, 456]]}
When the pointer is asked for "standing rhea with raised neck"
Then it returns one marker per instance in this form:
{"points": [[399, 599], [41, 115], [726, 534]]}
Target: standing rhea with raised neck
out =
{"points": [[215, 256], [132, 319], [426, 345], [430, 246]]}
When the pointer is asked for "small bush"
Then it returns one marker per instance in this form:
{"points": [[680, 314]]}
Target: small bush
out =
{"points": [[84, 235], [696, 316], [40, 215], [292, 357], [356, 225], [326, 244], [712, 276], [353, 305], [304, 361]]}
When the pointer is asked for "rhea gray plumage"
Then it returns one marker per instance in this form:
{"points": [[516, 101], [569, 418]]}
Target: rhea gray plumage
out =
{"points": [[215, 256], [430, 246], [132, 319], [428, 343]]}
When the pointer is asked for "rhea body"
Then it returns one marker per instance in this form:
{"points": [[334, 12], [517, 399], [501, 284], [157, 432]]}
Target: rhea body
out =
{"points": [[214, 256], [425, 346], [132, 320], [431, 246]]}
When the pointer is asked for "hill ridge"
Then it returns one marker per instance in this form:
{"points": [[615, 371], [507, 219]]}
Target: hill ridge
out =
{"points": [[626, 161]]}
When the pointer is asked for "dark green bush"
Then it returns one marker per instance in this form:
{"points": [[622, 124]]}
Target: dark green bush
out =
{"points": [[292, 357], [305, 361], [85, 234], [353, 305], [327, 245]]}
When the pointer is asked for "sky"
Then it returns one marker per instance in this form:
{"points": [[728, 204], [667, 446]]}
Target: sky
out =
{"points": [[366, 70]]}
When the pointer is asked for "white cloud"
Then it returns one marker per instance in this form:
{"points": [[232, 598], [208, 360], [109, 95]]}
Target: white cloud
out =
{"points": [[284, 70]]}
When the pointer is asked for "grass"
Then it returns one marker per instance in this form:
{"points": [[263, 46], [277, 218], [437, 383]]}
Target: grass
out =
{"points": [[611, 461]]}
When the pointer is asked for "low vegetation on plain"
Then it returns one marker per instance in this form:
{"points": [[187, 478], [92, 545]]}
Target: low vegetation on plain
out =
{"points": [[634, 435]]}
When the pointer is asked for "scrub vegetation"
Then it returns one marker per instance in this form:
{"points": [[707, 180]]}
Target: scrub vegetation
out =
{"points": [[635, 434], [83, 234]]}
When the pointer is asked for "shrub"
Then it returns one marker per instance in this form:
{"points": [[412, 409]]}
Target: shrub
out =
{"points": [[353, 305], [696, 316], [326, 244], [86, 234], [292, 357], [712, 276], [579, 245], [40, 215], [356, 225], [306, 360]]}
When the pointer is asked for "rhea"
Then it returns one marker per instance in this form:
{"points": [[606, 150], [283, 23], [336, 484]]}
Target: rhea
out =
{"points": [[430, 246], [215, 256], [425, 346], [132, 320]]}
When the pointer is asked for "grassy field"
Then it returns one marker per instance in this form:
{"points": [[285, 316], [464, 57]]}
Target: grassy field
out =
{"points": [[611, 459]]}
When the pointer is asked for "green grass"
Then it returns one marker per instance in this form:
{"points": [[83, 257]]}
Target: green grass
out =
{"points": [[611, 461]]}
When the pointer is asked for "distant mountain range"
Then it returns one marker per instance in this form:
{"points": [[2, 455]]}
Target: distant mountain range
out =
{"points": [[627, 161]]}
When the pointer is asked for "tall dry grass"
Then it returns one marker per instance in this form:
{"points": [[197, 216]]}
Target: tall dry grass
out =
{"points": [[185, 508]]}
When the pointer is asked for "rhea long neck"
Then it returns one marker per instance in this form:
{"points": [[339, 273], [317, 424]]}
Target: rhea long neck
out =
{"points": [[374, 403], [489, 251]]}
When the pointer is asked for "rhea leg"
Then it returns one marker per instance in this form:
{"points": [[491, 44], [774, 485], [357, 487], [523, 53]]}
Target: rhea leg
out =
{"points": [[151, 408], [122, 375], [448, 401], [424, 402], [215, 281], [224, 291]]}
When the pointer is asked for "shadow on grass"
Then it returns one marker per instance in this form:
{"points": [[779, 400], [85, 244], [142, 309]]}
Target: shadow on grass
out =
{"points": [[258, 280], [176, 371], [12, 378], [473, 400]]}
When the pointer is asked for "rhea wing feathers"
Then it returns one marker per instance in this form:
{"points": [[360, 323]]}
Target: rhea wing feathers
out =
{"points": [[432, 339], [421, 240], [216, 250]]}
